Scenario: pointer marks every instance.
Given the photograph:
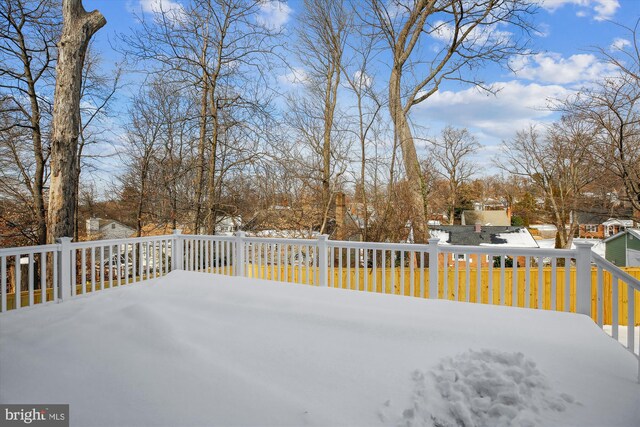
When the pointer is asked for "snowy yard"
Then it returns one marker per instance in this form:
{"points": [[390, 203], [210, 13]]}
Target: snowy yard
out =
{"points": [[198, 349]]}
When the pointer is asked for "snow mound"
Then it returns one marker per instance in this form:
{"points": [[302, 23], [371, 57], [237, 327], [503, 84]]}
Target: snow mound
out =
{"points": [[483, 388]]}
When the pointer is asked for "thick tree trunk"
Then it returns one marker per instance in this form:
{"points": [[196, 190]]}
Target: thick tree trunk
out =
{"points": [[417, 185], [78, 28], [211, 182], [202, 140]]}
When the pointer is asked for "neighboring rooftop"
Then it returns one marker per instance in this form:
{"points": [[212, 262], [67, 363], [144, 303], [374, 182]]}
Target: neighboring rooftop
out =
{"points": [[467, 235]]}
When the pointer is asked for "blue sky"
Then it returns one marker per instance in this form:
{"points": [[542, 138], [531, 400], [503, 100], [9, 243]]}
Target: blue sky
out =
{"points": [[564, 61]]}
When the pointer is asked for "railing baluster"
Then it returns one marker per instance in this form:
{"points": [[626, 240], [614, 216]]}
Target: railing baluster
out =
{"points": [[540, 284], [527, 282], [101, 267], [18, 280], [384, 271], [110, 266], [456, 282], [503, 300], [31, 278], [445, 275], [119, 264], [3, 284], [554, 279], [393, 271], [55, 275], [307, 264], [479, 279], [374, 271], [93, 268], [160, 252], [514, 284], [126, 264], [600, 297], [280, 263], [83, 269], [631, 319], [490, 287], [148, 260], [402, 287], [614, 306], [567, 284], [356, 253], [43, 277], [467, 281], [412, 283], [365, 268]]}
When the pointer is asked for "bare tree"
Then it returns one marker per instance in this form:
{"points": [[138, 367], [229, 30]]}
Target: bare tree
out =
{"points": [[369, 103], [27, 48], [469, 34], [323, 30], [560, 164], [613, 106], [220, 48], [452, 155], [77, 29]]}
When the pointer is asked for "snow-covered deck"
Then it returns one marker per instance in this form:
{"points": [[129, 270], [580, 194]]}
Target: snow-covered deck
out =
{"points": [[201, 349]]}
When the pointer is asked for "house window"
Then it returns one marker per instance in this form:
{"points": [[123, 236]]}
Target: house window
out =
{"points": [[461, 257], [591, 228], [113, 226]]}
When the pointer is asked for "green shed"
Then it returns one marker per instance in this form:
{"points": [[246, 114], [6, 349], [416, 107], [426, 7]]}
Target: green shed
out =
{"points": [[623, 249]]}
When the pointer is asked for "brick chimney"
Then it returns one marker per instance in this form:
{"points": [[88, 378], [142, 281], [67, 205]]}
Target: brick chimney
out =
{"points": [[478, 227], [509, 214], [340, 216]]}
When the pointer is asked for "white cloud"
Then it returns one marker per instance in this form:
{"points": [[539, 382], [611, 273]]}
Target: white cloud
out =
{"points": [[150, 6], [603, 9], [444, 32], [274, 14], [619, 44], [363, 79], [554, 68], [295, 77], [515, 107], [171, 9]]}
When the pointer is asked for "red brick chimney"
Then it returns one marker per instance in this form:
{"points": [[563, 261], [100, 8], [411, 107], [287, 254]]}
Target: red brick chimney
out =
{"points": [[478, 227]]}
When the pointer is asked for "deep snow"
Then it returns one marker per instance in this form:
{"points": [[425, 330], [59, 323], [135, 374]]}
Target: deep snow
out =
{"points": [[201, 349]]}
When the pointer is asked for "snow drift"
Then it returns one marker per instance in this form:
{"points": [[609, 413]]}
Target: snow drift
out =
{"points": [[199, 349]]}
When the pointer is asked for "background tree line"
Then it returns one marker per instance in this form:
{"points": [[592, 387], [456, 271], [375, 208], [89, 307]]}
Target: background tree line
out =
{"points": [[208, 136]]}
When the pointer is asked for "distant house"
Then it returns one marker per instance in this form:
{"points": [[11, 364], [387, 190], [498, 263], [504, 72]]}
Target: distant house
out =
{"points": [[477, 235], [227, 225], [600, 223], [103, 229], [487, 218], [623, 249]]}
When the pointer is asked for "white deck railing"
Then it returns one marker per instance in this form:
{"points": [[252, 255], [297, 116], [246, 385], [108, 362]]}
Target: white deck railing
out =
{"points": [[565, 280]]}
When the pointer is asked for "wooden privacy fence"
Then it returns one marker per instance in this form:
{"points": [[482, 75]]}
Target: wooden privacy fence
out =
{"points": [[574, 280], [371, 280]]}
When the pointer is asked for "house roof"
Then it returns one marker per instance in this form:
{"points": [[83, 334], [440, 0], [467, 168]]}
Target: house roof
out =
{"points": [[633, 231], [499, 217], [489, 235]]}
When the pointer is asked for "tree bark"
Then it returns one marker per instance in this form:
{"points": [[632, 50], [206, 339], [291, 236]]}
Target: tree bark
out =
{"points": [[78, 28], [419, 196]]}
